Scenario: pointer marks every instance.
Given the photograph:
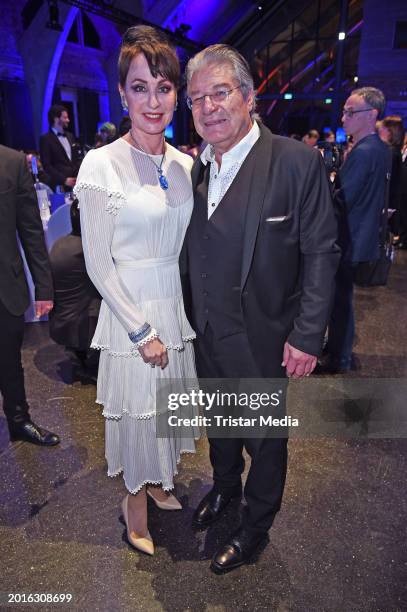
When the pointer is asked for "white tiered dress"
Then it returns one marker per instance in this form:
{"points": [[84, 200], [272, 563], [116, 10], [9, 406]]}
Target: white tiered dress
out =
{"points": [[132, 233]]}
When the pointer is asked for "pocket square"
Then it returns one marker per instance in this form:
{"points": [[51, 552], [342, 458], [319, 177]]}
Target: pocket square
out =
{"points": [[277, 219]]}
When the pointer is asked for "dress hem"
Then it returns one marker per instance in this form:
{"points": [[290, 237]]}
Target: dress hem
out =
{"points": [[152, 482]]}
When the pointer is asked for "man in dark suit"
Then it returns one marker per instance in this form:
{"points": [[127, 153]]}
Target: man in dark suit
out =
{"points": [[19, 214], [57, 150], [403, 204], [72, 322], [359, 201], [257, 266]]}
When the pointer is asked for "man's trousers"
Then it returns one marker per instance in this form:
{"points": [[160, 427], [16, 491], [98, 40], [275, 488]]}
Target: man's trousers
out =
{"points": [[231, 357]]}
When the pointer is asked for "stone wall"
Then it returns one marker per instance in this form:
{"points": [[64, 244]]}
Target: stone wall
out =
{"points": [[380, 65]]}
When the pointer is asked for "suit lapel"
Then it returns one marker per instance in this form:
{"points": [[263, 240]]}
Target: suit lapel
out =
{"points": [[60, 144], [259, 186], [200, 190], [196, 171]]}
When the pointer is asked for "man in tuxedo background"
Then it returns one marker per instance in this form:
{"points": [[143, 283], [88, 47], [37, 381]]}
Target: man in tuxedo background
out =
{"points": [[57, 150], [257, 267], [19, 214]]}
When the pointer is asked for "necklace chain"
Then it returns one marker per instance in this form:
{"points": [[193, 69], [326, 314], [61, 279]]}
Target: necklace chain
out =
{"points": [[161, 177]]}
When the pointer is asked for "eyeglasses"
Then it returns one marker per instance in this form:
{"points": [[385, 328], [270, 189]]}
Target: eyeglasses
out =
{"points": [[348, 112], [216, 98]]}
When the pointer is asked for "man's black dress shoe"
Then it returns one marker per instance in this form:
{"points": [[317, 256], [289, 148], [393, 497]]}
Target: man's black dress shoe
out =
{"points": [[212, 506], [237, 551], [30, 432]]}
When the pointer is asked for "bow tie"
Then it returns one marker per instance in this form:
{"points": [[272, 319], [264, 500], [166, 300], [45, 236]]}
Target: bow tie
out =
{"points": [[60, 134]]}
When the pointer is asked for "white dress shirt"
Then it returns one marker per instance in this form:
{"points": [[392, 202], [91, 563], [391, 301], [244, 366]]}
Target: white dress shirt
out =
{"points": [[64, 142], [221, 179]]}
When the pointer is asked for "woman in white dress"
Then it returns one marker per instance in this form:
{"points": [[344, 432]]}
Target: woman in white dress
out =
{"points": [[135, 197]]}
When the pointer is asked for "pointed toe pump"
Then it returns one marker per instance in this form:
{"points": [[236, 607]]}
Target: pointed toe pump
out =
{"points": [[171, 503], [143, 543]]}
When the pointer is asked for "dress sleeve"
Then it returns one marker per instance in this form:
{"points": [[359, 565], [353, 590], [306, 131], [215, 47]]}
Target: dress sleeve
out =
{"points": [[98, 209]]}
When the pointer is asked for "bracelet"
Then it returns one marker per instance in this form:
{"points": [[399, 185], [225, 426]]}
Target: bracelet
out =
{"points": [[140, 333]]}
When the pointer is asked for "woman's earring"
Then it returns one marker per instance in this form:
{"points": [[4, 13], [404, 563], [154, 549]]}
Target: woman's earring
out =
{"points": [[176, 104], [124, 103]]}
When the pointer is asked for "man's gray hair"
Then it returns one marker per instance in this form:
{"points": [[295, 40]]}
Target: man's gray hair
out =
{"points": [[372, 96], [223, 54]]}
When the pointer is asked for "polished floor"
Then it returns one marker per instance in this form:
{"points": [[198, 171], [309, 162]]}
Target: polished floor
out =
{"points": [[338, 544]]}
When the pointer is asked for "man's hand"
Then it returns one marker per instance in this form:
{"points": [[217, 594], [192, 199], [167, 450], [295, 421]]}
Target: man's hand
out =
{"points": [[42, 308], [297, 364], [70, 181], [154, 353]]}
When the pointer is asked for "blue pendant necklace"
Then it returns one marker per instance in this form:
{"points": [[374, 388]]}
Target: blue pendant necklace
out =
{"points": [[162, 179]]}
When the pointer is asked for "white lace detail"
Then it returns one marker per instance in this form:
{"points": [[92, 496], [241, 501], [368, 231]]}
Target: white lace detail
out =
{"points": [[135, 352], [115, 199], [152, 482], [138, 417], [151, 336]]}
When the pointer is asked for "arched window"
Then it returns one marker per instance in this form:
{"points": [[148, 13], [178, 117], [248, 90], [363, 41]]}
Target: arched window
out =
{"points": [[83, 32]]}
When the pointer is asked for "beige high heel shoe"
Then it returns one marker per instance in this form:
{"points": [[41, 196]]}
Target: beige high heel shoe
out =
{"points": [[145, 544], [171, 503]]}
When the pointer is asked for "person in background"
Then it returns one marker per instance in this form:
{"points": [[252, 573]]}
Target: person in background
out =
{"points": [[106, 134], [329, 136], [42, 175], [124, 125], [192, 150], [359, 201], [311, 138], [72, 322], [57, 150], [403, 203], [391, 131], [348, 146], [20, 217]]}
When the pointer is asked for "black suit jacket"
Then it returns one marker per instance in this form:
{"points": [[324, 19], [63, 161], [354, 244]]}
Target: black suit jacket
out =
{"points": [[72, 322], [290, 254], [54, 159], [360, 198], [19, 214]]}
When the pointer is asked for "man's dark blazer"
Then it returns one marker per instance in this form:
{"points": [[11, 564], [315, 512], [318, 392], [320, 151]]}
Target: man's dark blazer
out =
{"points": [[290, 254], [54, 159], [72, 322], [360, 198], [19, 214]]}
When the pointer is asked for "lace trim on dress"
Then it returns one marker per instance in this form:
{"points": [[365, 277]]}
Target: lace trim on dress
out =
{"points": [[138, 417], [135, 352], [151, 336], [115, 199], [152, 482]]}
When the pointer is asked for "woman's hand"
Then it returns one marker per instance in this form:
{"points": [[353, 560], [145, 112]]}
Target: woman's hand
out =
{"points": [[154, 353]]}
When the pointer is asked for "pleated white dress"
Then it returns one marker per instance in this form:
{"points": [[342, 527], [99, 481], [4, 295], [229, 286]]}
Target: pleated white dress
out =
{"points": [[132, 233]]}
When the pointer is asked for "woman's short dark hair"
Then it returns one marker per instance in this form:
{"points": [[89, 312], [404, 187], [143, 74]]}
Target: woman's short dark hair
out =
{"points": [[154, 45]]}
